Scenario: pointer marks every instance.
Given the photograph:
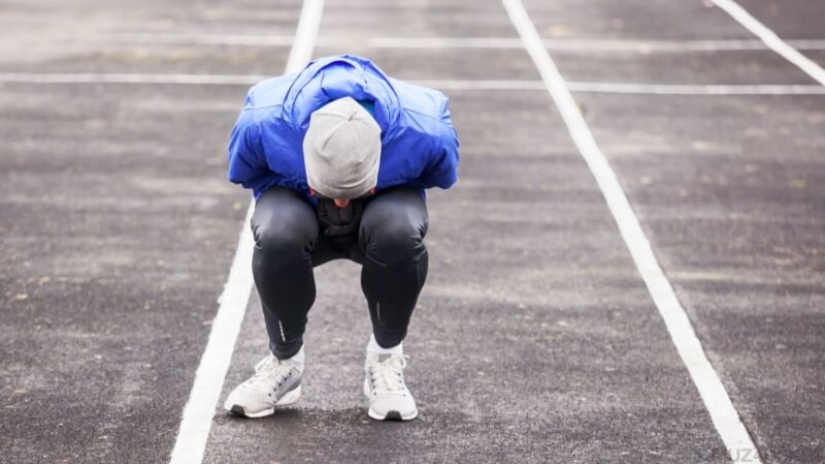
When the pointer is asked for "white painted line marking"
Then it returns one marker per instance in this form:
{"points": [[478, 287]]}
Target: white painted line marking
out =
{"points": [[594, 45], [305, 35], [198, 412], [432, 43], [664, 46], [450, 84], [678, 89], [578, 45], [123, 78], [713, 394], [209, 378], [812, 44], [772, 40], [204, 39], [627, 88], [441, 84]]}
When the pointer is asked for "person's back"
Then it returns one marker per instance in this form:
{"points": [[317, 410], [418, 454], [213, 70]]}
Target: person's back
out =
{"points": [[338, 157], [419, 143]]}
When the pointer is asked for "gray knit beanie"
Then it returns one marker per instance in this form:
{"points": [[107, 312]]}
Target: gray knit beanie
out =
{"points": [[342, 150]]}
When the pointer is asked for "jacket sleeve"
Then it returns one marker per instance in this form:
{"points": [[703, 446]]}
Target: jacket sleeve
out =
{"points": [[247, 161], [442, 166]]}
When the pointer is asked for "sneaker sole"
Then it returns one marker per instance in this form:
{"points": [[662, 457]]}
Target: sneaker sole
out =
{"points": [[390, 415], [290, 398]]}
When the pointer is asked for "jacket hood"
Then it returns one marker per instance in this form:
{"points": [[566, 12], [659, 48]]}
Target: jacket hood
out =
{"points": [[331, 78]]}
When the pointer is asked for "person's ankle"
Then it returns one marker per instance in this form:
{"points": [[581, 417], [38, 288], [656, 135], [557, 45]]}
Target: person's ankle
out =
{"points": [[296, 360], [374, 348]]}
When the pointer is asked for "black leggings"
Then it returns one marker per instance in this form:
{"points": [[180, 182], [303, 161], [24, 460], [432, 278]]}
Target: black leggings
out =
{"points": [[290, 241]]}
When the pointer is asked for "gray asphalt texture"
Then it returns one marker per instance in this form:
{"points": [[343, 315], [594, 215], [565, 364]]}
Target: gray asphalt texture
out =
{"points": [[535, 339]]}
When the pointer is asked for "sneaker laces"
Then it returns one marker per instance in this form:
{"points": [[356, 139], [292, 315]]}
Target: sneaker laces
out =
{"points": [[388, 376], [267, 368]]}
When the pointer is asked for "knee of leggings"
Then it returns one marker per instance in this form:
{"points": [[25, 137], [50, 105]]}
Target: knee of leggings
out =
{"points": [[392, 245], [282, 241]]}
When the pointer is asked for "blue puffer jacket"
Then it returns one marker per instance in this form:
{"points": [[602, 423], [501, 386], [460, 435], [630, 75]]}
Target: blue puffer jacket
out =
{"points": [[419, 142]]}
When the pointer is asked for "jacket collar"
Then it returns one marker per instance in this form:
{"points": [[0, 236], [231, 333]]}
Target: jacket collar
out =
{"points": [[327, 79]]}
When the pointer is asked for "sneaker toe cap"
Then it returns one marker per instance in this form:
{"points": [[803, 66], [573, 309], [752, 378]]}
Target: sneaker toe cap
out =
{"points": [[383, 405], [250, 400]]}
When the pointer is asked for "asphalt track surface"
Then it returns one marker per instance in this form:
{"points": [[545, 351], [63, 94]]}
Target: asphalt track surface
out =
{"points": [[535, 339]]}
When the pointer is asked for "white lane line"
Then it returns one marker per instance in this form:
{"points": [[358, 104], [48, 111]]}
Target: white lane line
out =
{"points": [[772, 40], [305, 35], [594, 45], [626, 88], [577, 45], [812, 44], [461, 84], [722, 412], [197, 414], [204, 39], [678, 89], [129, 78], [441, 84], [433, 43], [209, 378], [649, 46]]}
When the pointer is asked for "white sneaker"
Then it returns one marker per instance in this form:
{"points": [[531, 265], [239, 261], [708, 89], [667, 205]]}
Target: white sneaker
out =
{"points": [[275, 383], [385, 388]]}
